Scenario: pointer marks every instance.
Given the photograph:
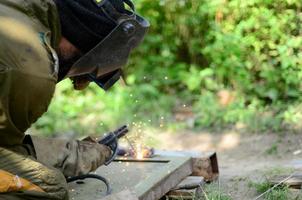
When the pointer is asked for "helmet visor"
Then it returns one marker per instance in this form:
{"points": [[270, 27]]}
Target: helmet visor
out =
{"points": [[112, 53]]}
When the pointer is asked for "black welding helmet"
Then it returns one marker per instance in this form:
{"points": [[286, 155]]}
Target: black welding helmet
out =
{"points": [[103, 64]]}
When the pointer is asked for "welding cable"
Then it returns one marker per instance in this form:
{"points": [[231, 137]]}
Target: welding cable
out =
{"points": [[82, 177]]}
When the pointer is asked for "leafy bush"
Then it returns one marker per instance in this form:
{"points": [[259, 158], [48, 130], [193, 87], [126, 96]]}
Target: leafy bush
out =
{"points": [[194, 50]]}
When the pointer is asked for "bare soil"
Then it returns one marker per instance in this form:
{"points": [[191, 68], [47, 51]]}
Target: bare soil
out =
{"points": [[242, 158]]}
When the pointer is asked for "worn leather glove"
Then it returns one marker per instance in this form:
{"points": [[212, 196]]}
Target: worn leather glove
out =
{"points": [[71, 157]]}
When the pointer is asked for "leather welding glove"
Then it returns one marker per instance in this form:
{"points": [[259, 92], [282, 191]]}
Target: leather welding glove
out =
{"points": [[72, 157]]}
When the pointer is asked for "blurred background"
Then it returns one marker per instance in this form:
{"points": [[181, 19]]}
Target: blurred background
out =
{"points": [[205, 65]]}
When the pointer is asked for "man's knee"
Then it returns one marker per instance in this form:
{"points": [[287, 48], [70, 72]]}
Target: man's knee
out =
{"points": [[47, 184], [49, 179], [53, 182]]}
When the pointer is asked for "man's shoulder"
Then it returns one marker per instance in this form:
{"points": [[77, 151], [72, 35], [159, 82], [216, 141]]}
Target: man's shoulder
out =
{"points": [[40, 15], [24, 51], [26, 38]]}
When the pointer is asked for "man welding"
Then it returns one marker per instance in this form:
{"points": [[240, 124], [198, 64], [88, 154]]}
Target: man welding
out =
{"points": [[41, 43]]}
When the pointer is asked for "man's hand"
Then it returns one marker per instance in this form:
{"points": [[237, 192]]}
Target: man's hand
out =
{"points": [[93, 155], [72, 157]]}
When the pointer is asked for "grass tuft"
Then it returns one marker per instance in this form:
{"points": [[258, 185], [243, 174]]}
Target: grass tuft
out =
{"points": [[213, 192], [278, 193]]}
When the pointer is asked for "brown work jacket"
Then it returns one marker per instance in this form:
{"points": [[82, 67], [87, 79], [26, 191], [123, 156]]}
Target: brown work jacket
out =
{"points": [[29, 33], [29, 36]]}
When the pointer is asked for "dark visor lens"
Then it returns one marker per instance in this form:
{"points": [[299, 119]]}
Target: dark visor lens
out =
{"points": [[108, 80]]}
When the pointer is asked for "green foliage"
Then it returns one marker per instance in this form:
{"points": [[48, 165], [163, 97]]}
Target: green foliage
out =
{"points": [[267, 61], [94, 111], [194, 50]]}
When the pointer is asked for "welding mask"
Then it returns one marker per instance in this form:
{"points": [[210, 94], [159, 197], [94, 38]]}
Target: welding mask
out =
{"points": [[103, 64]]}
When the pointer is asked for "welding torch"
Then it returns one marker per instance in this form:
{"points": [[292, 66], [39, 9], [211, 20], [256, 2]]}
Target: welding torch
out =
{"points": [[111, 140]]}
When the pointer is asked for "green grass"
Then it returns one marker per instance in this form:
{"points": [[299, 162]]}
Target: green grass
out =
{"points": [[278, 193], [213, 192], [273, 150], [281, 192]]}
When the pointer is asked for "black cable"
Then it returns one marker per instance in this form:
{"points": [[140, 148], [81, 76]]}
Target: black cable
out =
{"points": [[82, 177]]}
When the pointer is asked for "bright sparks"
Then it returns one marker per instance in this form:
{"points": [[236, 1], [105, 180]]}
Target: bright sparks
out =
{"points": [[139, 154]]}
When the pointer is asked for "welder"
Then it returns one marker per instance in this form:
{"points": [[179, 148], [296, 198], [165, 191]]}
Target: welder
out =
{"points": [[41, 43]]}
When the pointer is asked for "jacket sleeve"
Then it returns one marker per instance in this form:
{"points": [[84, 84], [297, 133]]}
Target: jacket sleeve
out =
{"points": [[72, 157]]}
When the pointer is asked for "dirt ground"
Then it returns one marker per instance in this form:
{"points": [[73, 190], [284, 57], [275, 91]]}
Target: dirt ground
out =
{"points": [[242, 158]]}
